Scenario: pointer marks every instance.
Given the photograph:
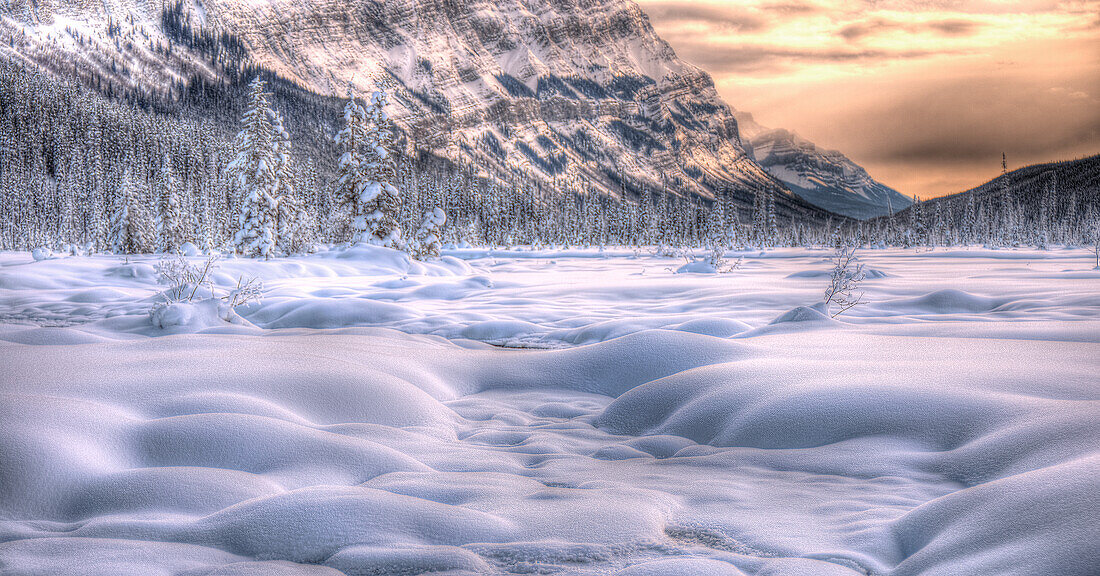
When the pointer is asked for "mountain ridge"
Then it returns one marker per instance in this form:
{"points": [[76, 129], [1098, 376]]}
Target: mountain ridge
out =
{"points": [[823, 177], [578, 94]]}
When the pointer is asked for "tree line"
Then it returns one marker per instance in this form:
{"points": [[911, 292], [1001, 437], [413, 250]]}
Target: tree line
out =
{"points": [[84, 173]]}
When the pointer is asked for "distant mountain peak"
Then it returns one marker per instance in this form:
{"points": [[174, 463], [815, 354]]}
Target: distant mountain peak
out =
{"points": [[825, 178]]}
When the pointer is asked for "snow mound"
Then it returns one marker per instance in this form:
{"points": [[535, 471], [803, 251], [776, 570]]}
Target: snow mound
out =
{"points": [[189, 249], [194, 316], [813, 313], [949, 301], [868, 274], [1050, 509], [682, 567], [136, 270], [500, 330], [697, 267], [718, 327], [374, 560], [657, 434], [328, 313], [389, 261]]}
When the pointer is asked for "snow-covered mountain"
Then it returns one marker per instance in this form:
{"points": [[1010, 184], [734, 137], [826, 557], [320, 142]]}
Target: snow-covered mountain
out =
{"points": [[825, 178], [562, 90]]}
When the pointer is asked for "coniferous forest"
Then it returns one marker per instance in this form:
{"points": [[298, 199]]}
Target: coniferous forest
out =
{"points": [[84, 172]]}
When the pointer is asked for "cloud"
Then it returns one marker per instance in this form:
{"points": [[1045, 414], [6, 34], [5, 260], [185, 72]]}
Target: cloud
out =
{"points": [[1070, 93], [858, 30], [952, 27], [789, 8], [720, 59], [707, 15], [925, 94], [923, 131]]}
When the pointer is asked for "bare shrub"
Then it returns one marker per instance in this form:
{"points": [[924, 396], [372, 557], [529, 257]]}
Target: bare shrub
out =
{"points": [[844, 282]]}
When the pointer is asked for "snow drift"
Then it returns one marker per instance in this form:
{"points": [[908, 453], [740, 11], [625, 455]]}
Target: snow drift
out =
{"points": [[688, 435]]}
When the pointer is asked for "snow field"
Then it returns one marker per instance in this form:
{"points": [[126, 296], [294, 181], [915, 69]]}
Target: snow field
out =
{"points": [[948, 427], [552, 298]]}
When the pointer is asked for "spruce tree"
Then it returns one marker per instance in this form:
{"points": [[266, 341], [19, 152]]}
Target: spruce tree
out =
{"points": [[288, 209], [759, 218], [255, 171], [773, 226], [169, 217], [428, 237], [119, 238], [381, 198], [352, 177]]}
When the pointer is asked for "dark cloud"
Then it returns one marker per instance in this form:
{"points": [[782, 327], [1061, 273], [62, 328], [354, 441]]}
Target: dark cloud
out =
{"points": [[968, 125], [946, 136], [718, 59], [673, 13], [954, 27], [791, 8], [858, 30]]}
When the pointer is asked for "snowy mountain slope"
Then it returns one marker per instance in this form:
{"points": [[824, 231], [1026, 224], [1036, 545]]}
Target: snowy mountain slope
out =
{"points": [[574, 94], [825, 178], [1070, 187], [567, 91]]}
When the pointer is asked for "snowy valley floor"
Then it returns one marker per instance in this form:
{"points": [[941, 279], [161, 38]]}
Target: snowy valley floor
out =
{"points": [[556, 412]]}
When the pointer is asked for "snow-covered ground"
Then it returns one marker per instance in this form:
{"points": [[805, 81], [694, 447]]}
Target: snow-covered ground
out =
{"points": [[369, 417]]}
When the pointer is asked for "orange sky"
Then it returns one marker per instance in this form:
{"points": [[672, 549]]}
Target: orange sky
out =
{"points": [[925, 94]]}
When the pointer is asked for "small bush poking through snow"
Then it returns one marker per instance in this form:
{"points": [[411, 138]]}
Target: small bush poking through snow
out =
{"points": [[246, 292], [717, 259], [184, 279], [183, 303], [844, 281], [714, 262]]}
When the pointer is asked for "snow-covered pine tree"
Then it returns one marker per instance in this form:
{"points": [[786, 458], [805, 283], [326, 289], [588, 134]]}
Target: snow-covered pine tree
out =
{"points": [[663, 221], [255, 172], [1008, 218], [647, 224], [759, 218], [916, 223], [969, 220], [311, 211], [129, 232], [773, 225], [168, 221], [352, 177], [717, 238], [119, 237], [937, 227], [428, 237], [381, 196], [288, 209], [142, 216], [729, 216]]}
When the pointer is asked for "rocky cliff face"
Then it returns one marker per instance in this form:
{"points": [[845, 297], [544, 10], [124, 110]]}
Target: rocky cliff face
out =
{"points": [[825, 178], [570, 92], [567, 90]]}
